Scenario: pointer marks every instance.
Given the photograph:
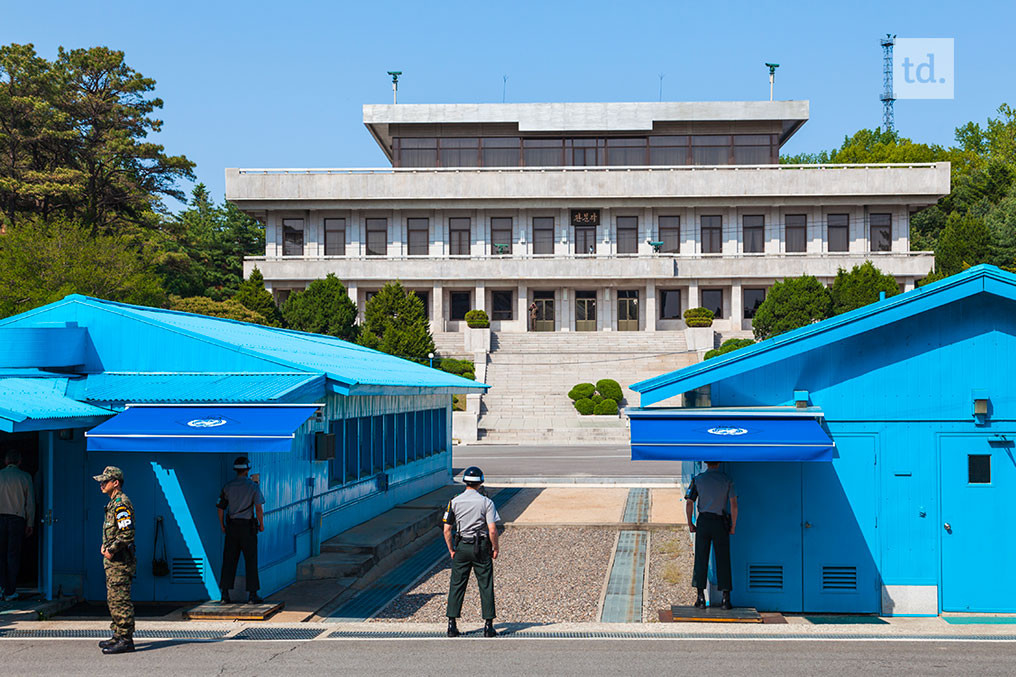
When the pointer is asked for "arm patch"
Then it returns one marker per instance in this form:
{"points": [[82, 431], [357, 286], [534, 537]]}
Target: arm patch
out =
{"points": [[449, 515], [124, 518]]}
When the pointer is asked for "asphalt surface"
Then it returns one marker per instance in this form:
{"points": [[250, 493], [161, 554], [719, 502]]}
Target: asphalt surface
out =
{"points": [[577, 462], [513, 657]]}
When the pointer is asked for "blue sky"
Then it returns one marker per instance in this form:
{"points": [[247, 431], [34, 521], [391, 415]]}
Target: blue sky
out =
{"points": [[281, 84]]}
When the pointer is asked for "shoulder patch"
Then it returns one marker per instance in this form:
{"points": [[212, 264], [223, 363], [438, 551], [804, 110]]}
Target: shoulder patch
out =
{"points": [[449, 516], [124, 517]]}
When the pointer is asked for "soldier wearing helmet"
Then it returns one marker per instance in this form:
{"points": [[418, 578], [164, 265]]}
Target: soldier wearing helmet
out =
{"points": [[473, 547], [242, 517]]}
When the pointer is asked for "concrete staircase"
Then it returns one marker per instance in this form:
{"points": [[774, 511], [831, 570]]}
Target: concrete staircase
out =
{"points": [[530, 375], [451, 344]]}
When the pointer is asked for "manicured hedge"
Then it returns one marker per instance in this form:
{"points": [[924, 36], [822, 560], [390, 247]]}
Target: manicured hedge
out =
{"points": [[477, 319], [601, 398], [585, 406], [607, 407], [582, 391], [728, 346], [610, 389], [463, 368], [698, 317]]}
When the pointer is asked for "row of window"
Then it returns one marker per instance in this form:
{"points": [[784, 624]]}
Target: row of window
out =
{"points": [[367, 445], [668, 231], [503, 151]]}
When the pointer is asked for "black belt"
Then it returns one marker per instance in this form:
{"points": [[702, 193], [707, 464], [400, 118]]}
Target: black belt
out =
{"points": [[472, 539], [711, 514]]}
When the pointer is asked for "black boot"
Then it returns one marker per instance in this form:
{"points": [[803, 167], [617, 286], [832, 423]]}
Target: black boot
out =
{"points": [[225, 598], [253, 598], [725, 603], [488, 628], [700, 603], [453, 630], [121, 645], [107, 642]]}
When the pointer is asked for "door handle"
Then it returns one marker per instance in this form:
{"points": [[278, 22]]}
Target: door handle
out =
{"points": [[807, 525], [948, 527]]}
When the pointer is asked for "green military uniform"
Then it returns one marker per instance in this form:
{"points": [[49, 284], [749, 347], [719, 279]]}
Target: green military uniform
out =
{"points": [[471, 512], [118, 540]]}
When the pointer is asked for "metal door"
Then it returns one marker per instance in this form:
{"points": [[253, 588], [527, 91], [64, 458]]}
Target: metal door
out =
{"points": [[627, 310], [978, 475], [544, 311], [585, 311], [839, 544]]}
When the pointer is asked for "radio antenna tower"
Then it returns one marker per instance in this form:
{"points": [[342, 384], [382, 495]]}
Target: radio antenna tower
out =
{"points": [[888, 119]]}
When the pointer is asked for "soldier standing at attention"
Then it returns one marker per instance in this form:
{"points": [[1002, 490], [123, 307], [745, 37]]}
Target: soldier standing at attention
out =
{"points": [[474, 548], [712, 489], [119, 560], [242, 517]]}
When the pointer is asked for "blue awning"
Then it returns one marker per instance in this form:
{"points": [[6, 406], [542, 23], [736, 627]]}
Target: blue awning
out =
{"points": [[676, 435], [238, 429]]}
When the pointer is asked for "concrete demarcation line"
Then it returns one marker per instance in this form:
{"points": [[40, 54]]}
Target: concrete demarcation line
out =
{"points": [[626, 580]]}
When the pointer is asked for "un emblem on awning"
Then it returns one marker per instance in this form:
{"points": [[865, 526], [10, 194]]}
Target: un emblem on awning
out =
{"points": [[727, 431], [206, 422]]}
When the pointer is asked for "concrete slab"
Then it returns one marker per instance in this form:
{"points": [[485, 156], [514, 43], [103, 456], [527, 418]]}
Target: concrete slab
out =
{"points": [[304, 598], [34, 608], [667, 507], [373, 533], [570, 505], [436, 500]]}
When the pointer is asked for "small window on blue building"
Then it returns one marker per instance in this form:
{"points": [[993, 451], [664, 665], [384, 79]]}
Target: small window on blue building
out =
{"points": [[377, 443], [390, 434], [350, 449], [979, 468], [364, 446], [400, 439]]}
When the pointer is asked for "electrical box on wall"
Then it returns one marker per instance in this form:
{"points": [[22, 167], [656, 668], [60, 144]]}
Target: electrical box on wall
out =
{"points": [[324, 446]]}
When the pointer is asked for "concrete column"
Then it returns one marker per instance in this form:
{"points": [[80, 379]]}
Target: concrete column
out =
{"points": [[731, 232], [858, 231], [396, 234], [354, 296], [693, 300], [736, 304], [607, 309], [816, 230], [567, 316], [691, 232], [647, 228], [522, 301], [650, 306], [562, 234], [271, 235], [354, 237], [437, 313], [480, 296], [438, 234], [604, 237], [773, 231], [480, 230], [522, 234]]}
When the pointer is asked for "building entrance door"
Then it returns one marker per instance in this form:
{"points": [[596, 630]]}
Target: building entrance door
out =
{"points": [[585, 311], [27, 444], [627, 310], [544, 301], [978, 475]]}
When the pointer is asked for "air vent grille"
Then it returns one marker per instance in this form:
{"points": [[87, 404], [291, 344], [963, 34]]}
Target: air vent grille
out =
{"points": [[188, 570], [765, 577], [836, 578]]}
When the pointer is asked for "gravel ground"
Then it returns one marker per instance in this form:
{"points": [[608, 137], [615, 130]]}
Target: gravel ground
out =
{"points": [[670, 563], [542, 575]]}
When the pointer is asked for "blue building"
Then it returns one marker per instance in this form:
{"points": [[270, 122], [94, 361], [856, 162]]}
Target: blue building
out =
{"points": [[872, 452], [336, 433]]}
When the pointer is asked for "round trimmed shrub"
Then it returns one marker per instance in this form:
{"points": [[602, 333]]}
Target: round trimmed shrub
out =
{"points": [[699, 317], [609, 388], [477, 319], [586, 406], [582, 391], [607, 407], [597, 398]]}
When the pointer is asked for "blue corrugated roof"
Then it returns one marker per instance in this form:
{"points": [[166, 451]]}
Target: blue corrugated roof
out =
{"points": [[203, 387], [40, 399]]}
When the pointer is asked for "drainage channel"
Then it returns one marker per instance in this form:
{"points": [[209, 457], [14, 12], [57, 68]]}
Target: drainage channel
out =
{"points": [[389, 586], [622, 602]]}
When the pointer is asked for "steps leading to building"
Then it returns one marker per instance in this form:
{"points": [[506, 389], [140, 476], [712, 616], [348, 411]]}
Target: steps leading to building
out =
{"points": [[451, 344]]}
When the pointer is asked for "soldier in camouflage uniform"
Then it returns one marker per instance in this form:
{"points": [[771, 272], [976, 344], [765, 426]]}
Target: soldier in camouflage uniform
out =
{"points": [[119, 560]]}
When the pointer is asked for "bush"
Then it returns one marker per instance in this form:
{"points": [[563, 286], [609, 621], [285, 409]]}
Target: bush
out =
{"points": [[582, 391], [597, 398], [607, 407], [791, 303], [699, 317], [477, 319], [609, 388], [463, 368], [728, 346], [586, 406]]}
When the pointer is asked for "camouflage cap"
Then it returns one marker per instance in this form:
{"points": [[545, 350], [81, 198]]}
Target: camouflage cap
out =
{"points": [[110, 473]]}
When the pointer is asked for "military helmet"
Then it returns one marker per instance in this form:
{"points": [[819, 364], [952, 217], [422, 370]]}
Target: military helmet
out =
{"points": [[241, 463], [472, 475]]}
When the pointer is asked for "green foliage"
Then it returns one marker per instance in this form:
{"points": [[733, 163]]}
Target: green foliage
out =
{"points": [[43, 261], [965, 241], [395, 323], [477, 319], [873, 146], [582, 391], [699, 317], [789, 304], [597, 398], [323, 307], [607, 407], [463, 368], [229, 309], [610, 389], [585, 406], [253, 296], [728, 346], [860, 286]]}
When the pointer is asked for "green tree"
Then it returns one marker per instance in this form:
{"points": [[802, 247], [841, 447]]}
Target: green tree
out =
{"points": [[789, 304], [728, 346], [873, 146], [323, 307], [860, 286], [229, 309], [253, 296], [965, 241], [395, 323], [43, 261]]}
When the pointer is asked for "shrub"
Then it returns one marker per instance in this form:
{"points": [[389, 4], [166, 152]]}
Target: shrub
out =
{"points": [[728, 346], [609, 388], [582, 391], [585, 406], [477, 319], [791, 303], [699, 317], [597, 398], [463, 368], [607, 407]]}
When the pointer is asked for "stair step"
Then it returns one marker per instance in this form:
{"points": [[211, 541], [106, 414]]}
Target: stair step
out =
{"points": [[335, 565]]}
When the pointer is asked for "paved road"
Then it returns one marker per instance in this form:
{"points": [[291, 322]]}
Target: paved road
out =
{"points": [[559, 461], [513, 657]]}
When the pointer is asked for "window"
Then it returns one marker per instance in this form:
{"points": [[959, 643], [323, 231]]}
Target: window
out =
{"points": [[583, 152], [753, 149], [424, 297], [670, 304], [979, 468], [712, 227], [400, 439], [585, 239], [881, 232], [366, 458], [460, 152], [352, 449], [543, 235], [627, 235], [458, 236], [377, 441], [377, 237], [460, 305], [500, 235], [713, 300], [419, 236], [501, 305], [797, 233], [753, 233], [670, 234], [335, 237], [543, 152], [417, 152], [668, 150], [390, 461], [500, 152], [838, 238], [292, 237], [710, 149], [626, 152], [753, 298]]}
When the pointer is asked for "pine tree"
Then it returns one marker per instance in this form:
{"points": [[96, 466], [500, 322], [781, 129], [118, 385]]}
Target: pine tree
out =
{"points": [[395, 323], [323, 307], [253, 296]]}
